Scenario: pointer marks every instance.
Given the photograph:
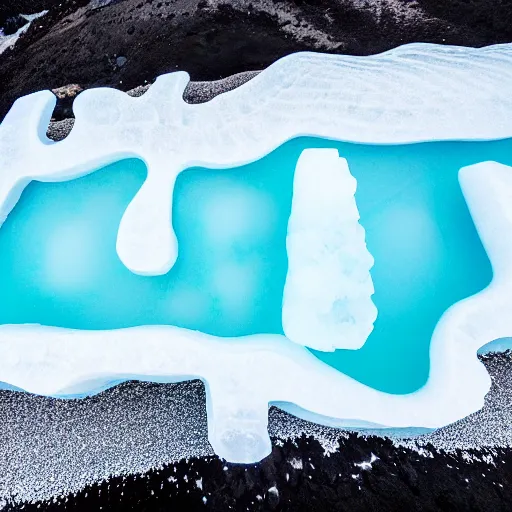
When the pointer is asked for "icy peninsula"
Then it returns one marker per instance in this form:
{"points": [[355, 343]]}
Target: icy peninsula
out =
{"points": [[329, 301]]}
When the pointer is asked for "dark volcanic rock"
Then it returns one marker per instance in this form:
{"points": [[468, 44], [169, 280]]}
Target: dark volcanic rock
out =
{"points": [[484, 20], [128, 43], [299, 477], [12, 24], [11, 7], [65, 96]]}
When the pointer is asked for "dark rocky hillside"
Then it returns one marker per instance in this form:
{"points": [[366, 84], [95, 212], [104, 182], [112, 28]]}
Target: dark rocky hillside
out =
{"points": [[127, 43], [299, 477]]}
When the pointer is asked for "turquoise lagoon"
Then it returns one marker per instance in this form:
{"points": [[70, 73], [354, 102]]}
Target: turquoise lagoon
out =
{"points": [[59, 267]]}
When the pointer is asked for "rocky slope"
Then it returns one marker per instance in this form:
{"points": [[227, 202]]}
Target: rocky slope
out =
{"points": [[127, 43]]}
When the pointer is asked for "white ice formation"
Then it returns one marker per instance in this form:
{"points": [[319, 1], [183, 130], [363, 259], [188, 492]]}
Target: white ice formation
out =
{"points": [[10, 40], [327, 295], [409, 94], [414, 93]]}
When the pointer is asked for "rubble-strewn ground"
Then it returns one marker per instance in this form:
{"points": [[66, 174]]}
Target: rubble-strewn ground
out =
{"points": [[57, 448]]}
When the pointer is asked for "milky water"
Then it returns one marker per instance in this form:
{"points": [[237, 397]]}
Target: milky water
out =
{"points": [[59, 267]]}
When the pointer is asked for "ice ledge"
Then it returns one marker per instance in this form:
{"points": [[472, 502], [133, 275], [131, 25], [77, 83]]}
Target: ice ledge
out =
{"points": [[414, 93]]}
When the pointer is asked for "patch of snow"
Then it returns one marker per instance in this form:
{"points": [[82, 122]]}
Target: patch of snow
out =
{"points": [[296, 463], [488, 459], [367, 465]]}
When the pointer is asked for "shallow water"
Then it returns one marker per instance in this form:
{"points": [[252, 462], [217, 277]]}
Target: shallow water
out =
{"points": [[58, 263]]}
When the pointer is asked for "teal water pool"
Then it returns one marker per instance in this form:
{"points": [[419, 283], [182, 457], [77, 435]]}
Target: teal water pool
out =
{"points": [[59, 267]]}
